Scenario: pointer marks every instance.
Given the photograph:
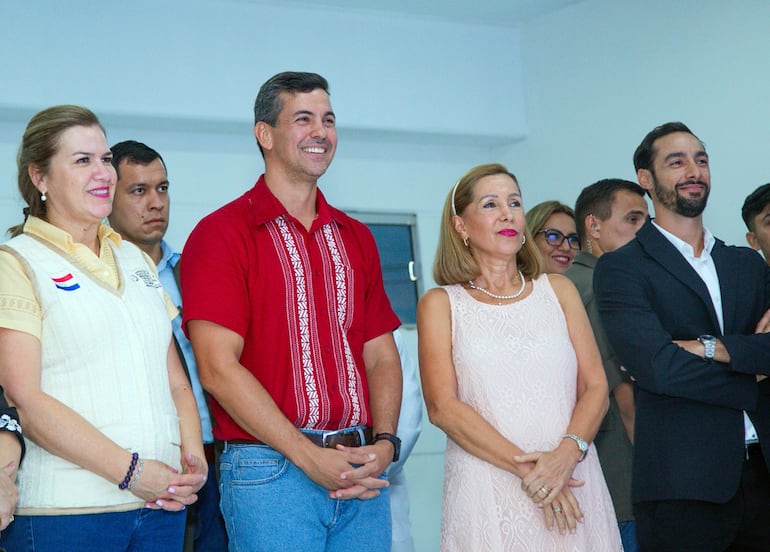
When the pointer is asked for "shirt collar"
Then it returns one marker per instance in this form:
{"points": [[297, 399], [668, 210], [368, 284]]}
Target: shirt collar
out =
{"points": [[169, 257], [266, 207], [685, 248], [56, 236]]}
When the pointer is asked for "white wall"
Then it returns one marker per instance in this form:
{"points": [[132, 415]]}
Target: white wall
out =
{"points": [[601, 73], [418, 103]]}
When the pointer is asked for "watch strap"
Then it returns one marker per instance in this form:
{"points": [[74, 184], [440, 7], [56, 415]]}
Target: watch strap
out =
{"points": [[581, 444], [395, 441]]}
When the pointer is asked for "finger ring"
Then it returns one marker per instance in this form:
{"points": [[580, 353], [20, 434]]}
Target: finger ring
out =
{"points": [[557, 510], [545, 490]]}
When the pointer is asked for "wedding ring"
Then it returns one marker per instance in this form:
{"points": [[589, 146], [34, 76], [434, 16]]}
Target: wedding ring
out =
{"points": [[557, 510], [545, 490]]}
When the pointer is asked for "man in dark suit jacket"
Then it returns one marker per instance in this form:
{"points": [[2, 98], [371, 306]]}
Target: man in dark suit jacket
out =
{"points": [[687, 317]]}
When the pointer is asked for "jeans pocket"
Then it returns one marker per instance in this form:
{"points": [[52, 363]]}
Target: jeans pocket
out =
{"points": [[251, 470]]}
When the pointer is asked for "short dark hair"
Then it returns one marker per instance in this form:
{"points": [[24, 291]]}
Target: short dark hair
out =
{"points": [[645, 155], [268, 104], [754, 204], [134, 152], [597, 199]]}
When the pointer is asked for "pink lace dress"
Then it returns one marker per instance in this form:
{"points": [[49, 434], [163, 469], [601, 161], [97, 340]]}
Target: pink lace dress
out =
{"points": [[516, 367]]}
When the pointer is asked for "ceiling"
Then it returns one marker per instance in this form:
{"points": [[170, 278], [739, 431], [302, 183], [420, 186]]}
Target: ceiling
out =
{"points": [[508, 13]]}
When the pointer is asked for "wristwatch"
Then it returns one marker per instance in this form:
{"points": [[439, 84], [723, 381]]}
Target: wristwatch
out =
{"points": [[393, 439], [710, 344], [581, 443]]}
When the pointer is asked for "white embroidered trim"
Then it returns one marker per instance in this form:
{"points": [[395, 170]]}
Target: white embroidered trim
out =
{"points": [[311, 388]]}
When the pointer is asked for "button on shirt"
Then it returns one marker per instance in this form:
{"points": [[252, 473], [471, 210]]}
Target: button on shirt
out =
{"points": [[705, 268]]}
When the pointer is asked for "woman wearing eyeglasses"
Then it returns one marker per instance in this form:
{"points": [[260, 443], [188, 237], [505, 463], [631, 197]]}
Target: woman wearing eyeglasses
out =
{"points": [[553, 226]]}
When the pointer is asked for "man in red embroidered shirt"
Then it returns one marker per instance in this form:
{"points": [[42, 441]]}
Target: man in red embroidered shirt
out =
{"points": [[288, 317]]}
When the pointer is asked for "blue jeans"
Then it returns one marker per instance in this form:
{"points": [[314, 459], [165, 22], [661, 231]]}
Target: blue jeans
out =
{"points": [[141, 530], [269, 504], [628, 536]]}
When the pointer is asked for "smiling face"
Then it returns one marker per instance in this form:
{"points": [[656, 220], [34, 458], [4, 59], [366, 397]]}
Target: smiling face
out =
{"points": [[80, 180], [494, 220], [140, 209], [302, 143], [680, 179], [557, 259]]}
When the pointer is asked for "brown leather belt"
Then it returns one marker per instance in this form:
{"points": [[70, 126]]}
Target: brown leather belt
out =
{"points": [[349, 437]]}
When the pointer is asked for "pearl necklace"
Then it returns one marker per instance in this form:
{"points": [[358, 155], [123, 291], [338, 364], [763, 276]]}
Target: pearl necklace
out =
{"points": [[500, 297]]}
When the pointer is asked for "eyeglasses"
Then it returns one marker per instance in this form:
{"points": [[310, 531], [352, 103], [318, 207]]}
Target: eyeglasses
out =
{"points": [[556, 238]]}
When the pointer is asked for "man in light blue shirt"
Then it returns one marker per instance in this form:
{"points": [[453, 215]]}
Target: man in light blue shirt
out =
{"points": [[409, 428], [140, 214]]}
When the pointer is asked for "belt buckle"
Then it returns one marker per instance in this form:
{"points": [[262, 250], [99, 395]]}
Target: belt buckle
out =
{"points": [[344, 431]]}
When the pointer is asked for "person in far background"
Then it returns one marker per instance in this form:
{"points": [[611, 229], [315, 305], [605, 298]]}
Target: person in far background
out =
{"points": [[11, 454], [756, 215], [140, 214], [409, 428], [553, 226], [608, 213]]}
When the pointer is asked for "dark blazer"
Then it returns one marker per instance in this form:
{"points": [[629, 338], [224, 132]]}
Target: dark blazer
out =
{"points": [[689, 432]]}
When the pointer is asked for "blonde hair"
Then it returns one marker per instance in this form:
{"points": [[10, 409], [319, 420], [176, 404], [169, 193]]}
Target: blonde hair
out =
{"points": [[540, 213], [454, 262], [38, 145]]}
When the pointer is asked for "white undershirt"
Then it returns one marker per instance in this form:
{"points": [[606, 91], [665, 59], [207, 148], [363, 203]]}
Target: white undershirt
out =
{"points": [[704, 266]]}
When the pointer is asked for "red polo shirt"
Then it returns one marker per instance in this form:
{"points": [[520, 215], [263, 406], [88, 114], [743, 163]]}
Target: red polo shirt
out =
{"points": [[304, 302]]}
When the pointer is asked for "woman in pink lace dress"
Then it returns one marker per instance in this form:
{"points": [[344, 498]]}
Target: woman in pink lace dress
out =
{"points": [[511, 373]]}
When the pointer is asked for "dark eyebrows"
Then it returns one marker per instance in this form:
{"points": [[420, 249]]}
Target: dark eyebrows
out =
{"points": [[673, 155], [680, 155], [308, 112]]}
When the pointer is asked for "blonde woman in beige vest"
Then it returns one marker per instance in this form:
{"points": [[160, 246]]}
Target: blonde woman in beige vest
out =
{"points": [[114, 451]]}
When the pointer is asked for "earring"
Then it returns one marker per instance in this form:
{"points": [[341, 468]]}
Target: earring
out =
{"points": [[43, 197], [589, 246], [465, 241], [523, 239]]}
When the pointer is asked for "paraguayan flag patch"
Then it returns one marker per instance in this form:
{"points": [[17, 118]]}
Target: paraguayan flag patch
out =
{"points": [[66, 282]]}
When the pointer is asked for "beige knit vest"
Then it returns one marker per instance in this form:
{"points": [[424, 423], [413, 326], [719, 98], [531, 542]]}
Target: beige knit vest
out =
{"points": [[104, 355]]}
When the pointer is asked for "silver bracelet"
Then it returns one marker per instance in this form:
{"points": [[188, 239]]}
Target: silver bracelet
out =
{"points": [[137, 474]]}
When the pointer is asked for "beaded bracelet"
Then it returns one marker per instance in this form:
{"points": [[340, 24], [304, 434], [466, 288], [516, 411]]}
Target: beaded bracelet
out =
{"points": [[126, 480], [139, 468]]}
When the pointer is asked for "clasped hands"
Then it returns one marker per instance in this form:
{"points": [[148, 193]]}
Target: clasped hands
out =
{"points": [[547, 482], [164, 488], [9, 494], [350, 472]]}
